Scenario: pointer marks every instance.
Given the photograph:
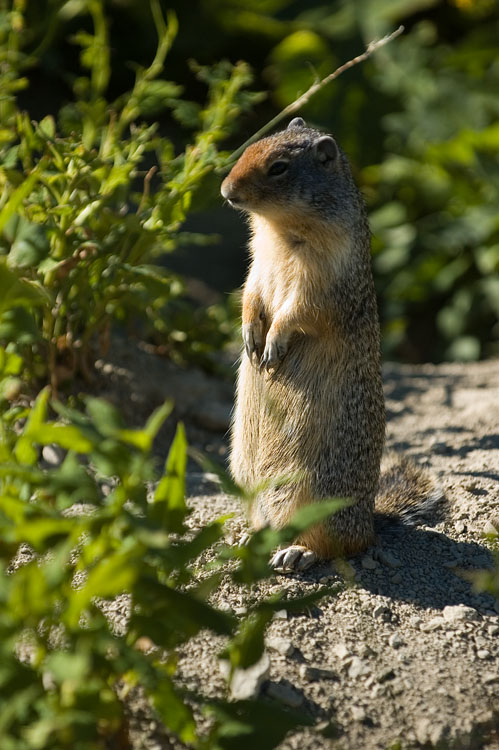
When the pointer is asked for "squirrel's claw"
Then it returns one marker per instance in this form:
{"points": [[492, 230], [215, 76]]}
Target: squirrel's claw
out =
{"points": [[253, 340], [274, 353], [294, 558], [244, 539]]}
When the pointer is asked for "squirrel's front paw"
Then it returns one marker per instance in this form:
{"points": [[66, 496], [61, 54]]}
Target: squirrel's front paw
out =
{"points": [[274, 352], [253, 339]]}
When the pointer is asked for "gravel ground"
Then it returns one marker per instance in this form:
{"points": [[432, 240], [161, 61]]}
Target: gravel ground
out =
{"points": [[407, 654]]}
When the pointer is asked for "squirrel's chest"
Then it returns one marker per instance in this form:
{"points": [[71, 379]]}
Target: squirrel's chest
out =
{"points": [[283, 274]]}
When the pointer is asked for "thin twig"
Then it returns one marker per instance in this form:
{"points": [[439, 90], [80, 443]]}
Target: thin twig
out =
{"points": [[290, 109], [147, 187]]}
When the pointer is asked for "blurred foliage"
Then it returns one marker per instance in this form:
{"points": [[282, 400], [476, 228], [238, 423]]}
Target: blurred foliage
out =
{"points": [[420, 123], [418, 120], [92, 198], [92, 520]]}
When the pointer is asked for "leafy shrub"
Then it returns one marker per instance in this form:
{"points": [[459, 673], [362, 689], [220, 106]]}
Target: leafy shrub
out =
{"points": [[81, 530], [434, 197], [91, 200]]}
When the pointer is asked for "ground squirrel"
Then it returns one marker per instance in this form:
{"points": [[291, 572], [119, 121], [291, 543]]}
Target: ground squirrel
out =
{"points": [[309, 400]]}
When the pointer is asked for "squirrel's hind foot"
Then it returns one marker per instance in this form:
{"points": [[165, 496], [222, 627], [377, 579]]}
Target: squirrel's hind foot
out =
{"points": [[294, 558]]}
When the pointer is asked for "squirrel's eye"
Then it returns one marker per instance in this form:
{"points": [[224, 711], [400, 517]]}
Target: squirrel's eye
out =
{"points": [[277, 168]]}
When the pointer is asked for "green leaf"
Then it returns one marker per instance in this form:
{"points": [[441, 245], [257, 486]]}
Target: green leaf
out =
{"points": [[16, 291], [311, 514], [247, 646], [173, 616], [68, 666], [66, 436], [111, 576], [246, 725], [28, 242], [18, 196], [173, 710], [46, 127], [20, 326], [168, 504], [40, 532]]}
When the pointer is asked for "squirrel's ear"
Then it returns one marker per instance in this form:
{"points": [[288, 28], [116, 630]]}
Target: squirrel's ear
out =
{"points": [[297, 122], [326, 150]]}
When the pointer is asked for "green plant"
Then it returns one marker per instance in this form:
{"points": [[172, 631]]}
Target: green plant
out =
{"points": [[90, 201], [435, 218], [94, 531]]}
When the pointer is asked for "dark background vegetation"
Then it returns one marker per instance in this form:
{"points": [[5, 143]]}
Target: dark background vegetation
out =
{"points": [[112, 148], [419, 122]]}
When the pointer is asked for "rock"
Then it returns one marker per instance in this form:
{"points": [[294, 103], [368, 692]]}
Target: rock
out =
{"points": [[421, 730], [483, 653], [340, 650], [396, 641], [387, 558], [368, 563], [435, 623], [358, 713], [246, 683], [284, 693], [281, 614], [490, 677], [490, 527], [283, 646], [382, 612], [358, 668], [459, 613], [460, 527], [312, 674], [53, 455], [493, 630], [397, 578]]}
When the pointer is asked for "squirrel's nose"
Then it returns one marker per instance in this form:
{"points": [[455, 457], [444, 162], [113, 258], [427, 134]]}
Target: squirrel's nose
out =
{"points": [[228, 191]]}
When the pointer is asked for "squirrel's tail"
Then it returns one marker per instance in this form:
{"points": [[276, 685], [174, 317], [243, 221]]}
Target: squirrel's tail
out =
{"points": [[406, 492]]}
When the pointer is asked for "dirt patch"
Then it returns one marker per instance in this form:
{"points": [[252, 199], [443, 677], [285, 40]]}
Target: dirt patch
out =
{"points": [[407, 654]]}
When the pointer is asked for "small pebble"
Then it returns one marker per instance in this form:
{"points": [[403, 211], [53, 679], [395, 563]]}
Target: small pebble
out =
{"points": [[340, 650], [435, 623], [283, 646], [388, 558], [490, 528], [382, 613], [459, 613], [396, 641], [285, 694], [281, 614], [368, 563], [246, 683], [358, 713], [483, 653], [358, 668], [52, 455]]}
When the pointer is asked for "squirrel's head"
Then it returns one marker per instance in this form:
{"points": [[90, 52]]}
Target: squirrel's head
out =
{"points": [[296, 171]]}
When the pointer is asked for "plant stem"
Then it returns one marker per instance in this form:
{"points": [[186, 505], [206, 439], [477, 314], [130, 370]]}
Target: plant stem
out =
{"points": [[290, 109]]}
